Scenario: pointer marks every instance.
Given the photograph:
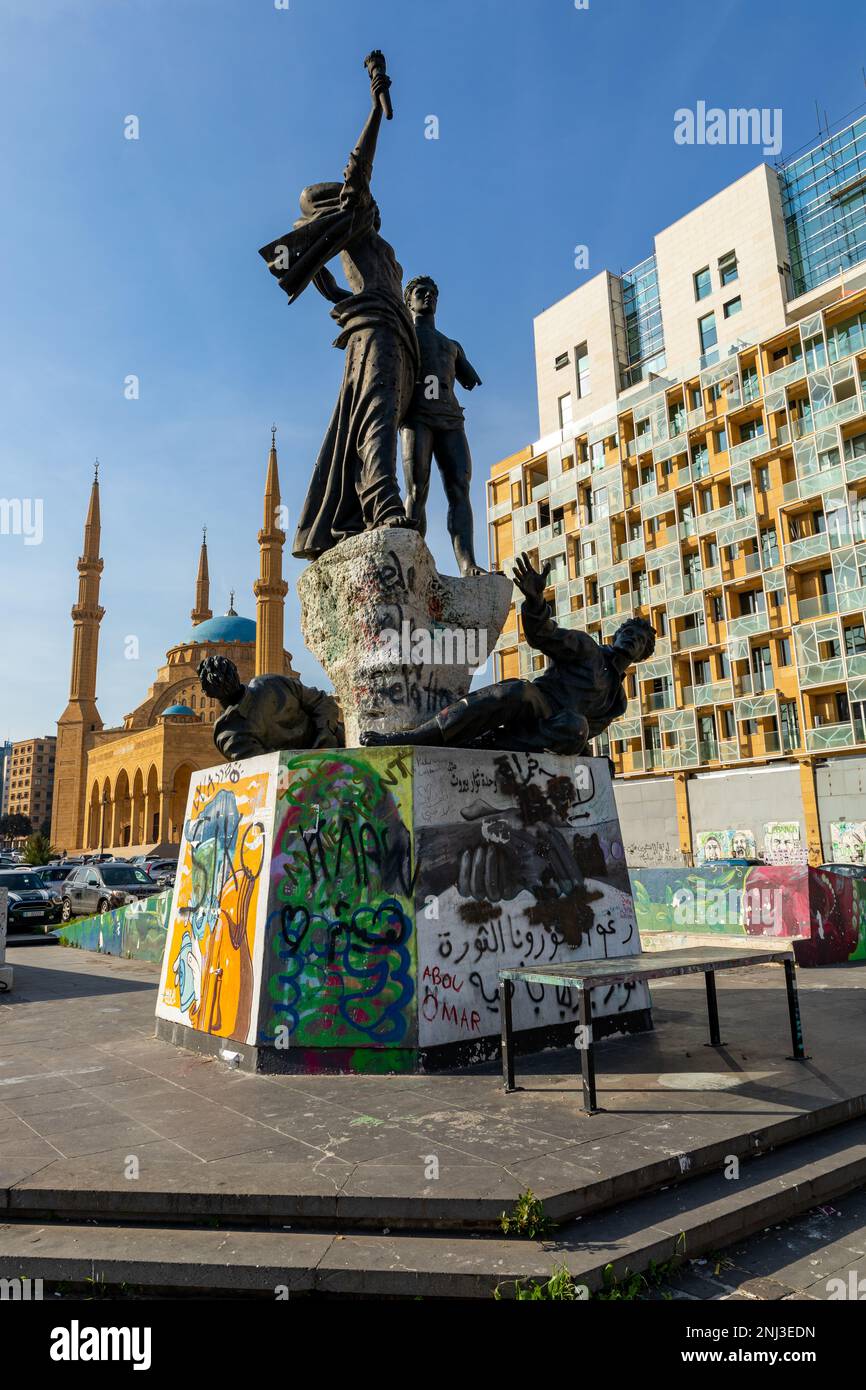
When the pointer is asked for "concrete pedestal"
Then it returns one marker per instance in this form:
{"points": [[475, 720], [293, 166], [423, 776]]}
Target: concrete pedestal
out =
{"points": [[349, 910]]}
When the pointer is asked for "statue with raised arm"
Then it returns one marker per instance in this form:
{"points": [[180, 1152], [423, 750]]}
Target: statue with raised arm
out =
{"points": [[434, 427], [354, 485], [269, 714], [571, 702]]}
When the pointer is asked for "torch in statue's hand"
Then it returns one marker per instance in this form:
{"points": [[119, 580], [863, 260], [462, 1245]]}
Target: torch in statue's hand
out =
{"points": [[379, 81]]}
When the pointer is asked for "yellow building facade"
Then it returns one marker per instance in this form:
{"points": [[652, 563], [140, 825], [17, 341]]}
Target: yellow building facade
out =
{"points": [[702, 464], [125, 788], [731, 513]]}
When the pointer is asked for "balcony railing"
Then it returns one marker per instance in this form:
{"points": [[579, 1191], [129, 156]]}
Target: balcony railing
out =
{"points": [[823, 673], [659, 699], [692, 637], [754, 683], [807, 547], [711, 521], [829, 736], [749, 448], [817, 605], [749, 625], [714, 693], [851, 600], [826, 481], [785, 376]]}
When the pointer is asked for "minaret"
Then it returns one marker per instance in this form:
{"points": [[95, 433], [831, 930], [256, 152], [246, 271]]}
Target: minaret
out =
{"points": [[202, 610], [270, 588], [80, 720]]}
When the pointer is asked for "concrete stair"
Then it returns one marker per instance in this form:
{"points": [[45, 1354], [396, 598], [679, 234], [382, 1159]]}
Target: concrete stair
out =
{"points": [[678, 1222]]}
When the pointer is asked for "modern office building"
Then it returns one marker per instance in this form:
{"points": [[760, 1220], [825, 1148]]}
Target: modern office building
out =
{"points": [[702, 463], [28, 784]]}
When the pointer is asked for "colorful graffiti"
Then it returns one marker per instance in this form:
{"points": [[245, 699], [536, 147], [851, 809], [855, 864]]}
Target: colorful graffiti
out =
{"points": [[782, 843], [341, 944], [212, 961], [382, 890], [136, 931], [724, 844], [848, 842], [824, 911]]}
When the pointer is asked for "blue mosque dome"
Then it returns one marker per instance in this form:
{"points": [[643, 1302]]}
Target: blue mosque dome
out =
{"points": [[177, 709], [228, 628]]}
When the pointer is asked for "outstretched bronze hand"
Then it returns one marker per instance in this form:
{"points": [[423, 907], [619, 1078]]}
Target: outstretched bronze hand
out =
{"points": [[530, 581]]}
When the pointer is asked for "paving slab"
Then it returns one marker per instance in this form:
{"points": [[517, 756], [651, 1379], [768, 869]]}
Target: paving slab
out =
{"points": [[672, 1106]]}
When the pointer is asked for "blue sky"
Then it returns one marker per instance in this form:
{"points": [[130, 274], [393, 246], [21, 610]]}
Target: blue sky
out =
{"points": [[123, 257]]}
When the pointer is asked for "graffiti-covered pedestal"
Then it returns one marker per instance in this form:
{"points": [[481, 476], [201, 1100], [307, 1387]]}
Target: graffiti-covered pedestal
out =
{"points": [[349, 910]]}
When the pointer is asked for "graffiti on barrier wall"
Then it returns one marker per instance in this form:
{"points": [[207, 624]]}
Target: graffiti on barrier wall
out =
{"points": [[724, 844], [136, 931], [824, 912], [848, 842], [341, 945], [782, 843], [212, 960]]}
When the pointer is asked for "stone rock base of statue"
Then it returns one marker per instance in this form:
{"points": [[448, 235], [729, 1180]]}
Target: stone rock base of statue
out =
{"points": [[398, 640], [5, 970], [349, 910]]}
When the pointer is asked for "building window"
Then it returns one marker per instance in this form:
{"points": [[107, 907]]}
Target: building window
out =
{"points": [[707, 332], [703, 283], [733, 307], [855, 640], [728, 270], [783, 651], [581, 357], [565, 410], [560, 361]]}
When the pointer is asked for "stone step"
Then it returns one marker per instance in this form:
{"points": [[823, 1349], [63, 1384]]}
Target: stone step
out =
{"points": [[271, 1194], [671, 1224]]}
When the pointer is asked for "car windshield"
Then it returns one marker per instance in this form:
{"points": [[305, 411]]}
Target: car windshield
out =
{"points": [[19, 880], [116, 875]]}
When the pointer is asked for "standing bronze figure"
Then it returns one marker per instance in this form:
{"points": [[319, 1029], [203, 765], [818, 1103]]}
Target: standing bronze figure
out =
{"points": [[434, 428], [354, 485]]}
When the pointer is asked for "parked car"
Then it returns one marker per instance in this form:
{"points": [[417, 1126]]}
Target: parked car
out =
{"points": [[851, 870], [162, 871], [101, 887], [54, 874], [31, 903]]}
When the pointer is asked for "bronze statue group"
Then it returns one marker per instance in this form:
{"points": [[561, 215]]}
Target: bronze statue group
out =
{"points": [[398, 380]]}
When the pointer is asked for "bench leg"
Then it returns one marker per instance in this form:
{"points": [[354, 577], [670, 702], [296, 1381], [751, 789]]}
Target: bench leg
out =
{"points": [[587, 1060], [713, 1009], [506, 991], [799, 1051]]}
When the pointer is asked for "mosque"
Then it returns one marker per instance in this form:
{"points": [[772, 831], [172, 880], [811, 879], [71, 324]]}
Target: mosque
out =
{"points": [[125, 788]]}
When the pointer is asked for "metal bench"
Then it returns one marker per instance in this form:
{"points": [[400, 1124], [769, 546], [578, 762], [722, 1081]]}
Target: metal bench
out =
{"points": [[584, 976]]}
